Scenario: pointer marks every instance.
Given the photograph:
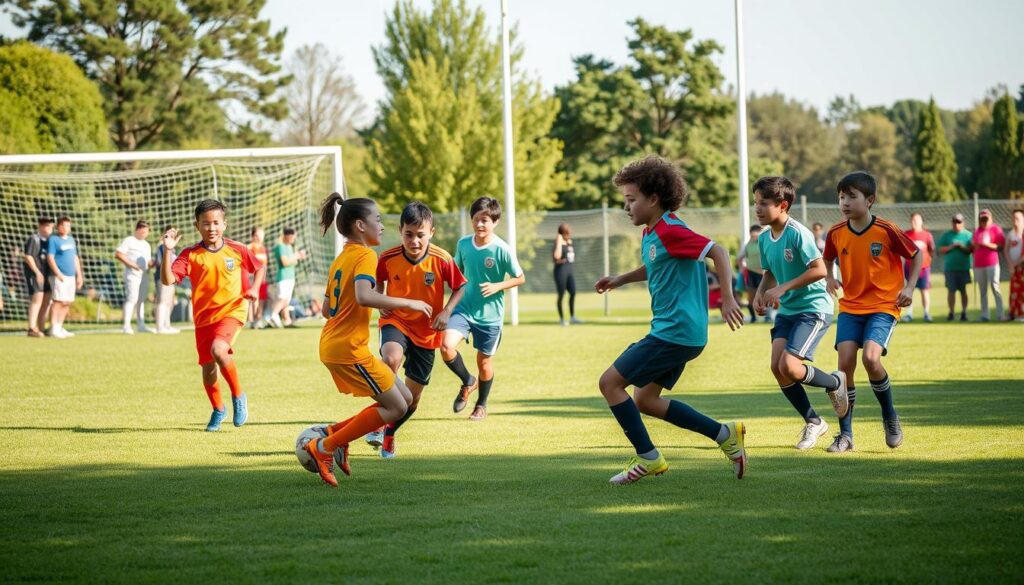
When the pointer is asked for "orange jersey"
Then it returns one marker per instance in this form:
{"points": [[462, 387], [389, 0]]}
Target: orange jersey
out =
{"points": [[346, 335], [423, 280], [219, 280], [871, 265]]}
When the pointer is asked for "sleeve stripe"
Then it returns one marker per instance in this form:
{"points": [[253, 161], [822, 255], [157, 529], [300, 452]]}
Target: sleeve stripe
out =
{"points": [[704, 253], [373, 282]]}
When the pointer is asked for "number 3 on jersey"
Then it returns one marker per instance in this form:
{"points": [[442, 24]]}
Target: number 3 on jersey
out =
{"points": [[334, 299]]}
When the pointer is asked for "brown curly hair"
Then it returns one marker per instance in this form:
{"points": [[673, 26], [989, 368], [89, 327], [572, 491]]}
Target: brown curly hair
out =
{"points": [[654, 175]]}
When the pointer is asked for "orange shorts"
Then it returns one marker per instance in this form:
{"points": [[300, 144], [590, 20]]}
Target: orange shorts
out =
{"points": [[225, 329], [366, 378]]}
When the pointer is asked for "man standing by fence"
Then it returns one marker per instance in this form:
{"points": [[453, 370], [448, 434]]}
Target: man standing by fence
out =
{"points": [[137, 256], [37, 277], [955, 246]]}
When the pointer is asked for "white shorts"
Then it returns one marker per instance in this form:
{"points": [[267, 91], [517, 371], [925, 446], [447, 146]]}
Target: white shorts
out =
{"points": [[165, 294], [283, 290], [136, 287], [63, 290]]}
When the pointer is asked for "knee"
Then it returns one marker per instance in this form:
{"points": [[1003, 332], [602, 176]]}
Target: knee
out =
{"points": [[646, 404], [607, 385], [792, 369], [777, 371], [220, 353], [393, 361], [872, 361]]}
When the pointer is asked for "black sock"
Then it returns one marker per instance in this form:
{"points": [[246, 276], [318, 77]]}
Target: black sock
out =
{"points": [[797, 396], [483, 392], [684, 416], [753, 316], [393, 428], [459, 369], [820, 379], [883, 392], [628, 417], [846, 423]]}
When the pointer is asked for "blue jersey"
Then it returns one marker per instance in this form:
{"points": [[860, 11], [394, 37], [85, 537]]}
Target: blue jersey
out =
{"points": [[64, 252], [787, 258], [488, 263], [673, 255]]}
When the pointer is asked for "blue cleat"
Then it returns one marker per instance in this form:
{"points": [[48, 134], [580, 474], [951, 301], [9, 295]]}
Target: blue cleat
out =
{"points": [[240, 406], [216, 418]]}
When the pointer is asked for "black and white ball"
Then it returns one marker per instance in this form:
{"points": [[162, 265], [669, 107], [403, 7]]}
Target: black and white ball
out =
{"points": [[307, 435]]}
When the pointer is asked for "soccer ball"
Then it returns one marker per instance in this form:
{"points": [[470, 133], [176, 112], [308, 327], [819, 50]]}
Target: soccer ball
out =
{"points": [[312, 433]]}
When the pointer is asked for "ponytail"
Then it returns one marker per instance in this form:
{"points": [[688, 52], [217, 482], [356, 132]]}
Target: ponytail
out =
{"points": [[327, 211], [349, 212]]}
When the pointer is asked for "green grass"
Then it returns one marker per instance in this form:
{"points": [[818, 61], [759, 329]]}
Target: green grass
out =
{"points": [[106, 475]]}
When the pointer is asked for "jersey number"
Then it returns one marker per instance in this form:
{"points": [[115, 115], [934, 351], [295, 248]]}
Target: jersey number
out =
{"points": [[334, 302]]}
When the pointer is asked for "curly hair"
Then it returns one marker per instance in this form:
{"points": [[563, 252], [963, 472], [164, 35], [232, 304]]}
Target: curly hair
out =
{"points": [[654, 175]]}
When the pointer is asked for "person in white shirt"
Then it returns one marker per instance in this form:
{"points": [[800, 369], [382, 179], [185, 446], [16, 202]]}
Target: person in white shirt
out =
{"points": [[164, 292], [137, 256]]}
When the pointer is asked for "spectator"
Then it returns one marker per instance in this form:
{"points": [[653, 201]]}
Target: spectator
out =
{"points": [[564, 256], [819, 236], [955, 246], [257, 309], [1015, 264], [748, 262], [926, 244], [988, 240], [164, 292], [66, 275], [137, 256], [37, 276], [285, 258]]}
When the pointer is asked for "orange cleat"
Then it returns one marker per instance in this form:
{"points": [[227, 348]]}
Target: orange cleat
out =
{"points": [[341, 458], [324, 463]]}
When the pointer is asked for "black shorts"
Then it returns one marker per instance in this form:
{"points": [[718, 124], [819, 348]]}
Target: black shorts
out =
{"points": [[655, 360], [419, 361], [33, 286]]}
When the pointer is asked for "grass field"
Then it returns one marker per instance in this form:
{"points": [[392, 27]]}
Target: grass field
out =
{"points": [[106, 475]]}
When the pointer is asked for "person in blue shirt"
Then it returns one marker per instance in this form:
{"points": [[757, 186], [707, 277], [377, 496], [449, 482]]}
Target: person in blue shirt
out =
{"points": [[65, 275], [673, 266], [793, 283]]}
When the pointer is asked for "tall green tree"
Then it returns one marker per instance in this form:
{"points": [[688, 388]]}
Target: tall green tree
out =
{"points": [[935, 167], [974, 134], [1003, 172], [161, 64], [871, 146]]}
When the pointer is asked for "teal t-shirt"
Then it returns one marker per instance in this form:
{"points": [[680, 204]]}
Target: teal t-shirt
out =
{"points": [[282, 272], [489, 263], [787, 258], [956, 258]]}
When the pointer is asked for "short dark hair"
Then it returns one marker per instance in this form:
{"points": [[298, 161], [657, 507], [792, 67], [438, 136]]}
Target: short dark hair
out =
{"points": [[488, 204], [210, 205], [817, 225], [63, 219], [1015, 211], [255, 228], [141, 224], [654, 175], [288, 231], [169, 227], [859, 180], [349, 212], [778, 189], [754, 228], [45, 220], [416, 213]]}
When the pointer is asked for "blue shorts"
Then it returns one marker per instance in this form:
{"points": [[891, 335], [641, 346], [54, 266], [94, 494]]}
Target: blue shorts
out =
{"points": [[486, 338], [753, 279], [924, 279], [877, 327], [802, 332], [655, 360]]}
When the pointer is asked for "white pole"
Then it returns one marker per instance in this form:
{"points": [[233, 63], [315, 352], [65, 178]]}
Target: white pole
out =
{"points": [[605, 253], [803, 210], [510, 181], [741, 113], [338, 184]]}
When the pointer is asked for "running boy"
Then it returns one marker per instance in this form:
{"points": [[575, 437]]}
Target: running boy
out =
{"points": [[869, 250], [344, 341], [486, 260], [217, 268], [673, 257], [793, 283]]}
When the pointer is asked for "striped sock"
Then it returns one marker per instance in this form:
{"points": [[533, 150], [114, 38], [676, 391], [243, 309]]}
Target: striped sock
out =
{"points": [[797, 396], [883, 393], [817, 378], [846, 423]]}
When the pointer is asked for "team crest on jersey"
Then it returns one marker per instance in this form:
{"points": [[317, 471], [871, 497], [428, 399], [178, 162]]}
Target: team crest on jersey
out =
{"points": [[429, 278], [230, 263], [489, 262], [788, 254], [876, 249], [653, 252]]}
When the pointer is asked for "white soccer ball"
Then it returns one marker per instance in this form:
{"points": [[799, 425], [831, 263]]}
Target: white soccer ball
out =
{"points": [[307, 435]]}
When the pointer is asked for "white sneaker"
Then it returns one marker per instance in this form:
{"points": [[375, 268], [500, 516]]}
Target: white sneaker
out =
{"points": [[58, 334], [144, 329], [811, 433], [65, 333], [172, 330], [275, 321], [128, 331]]}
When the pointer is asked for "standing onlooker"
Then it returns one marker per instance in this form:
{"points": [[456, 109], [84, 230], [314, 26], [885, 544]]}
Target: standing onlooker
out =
{"points": [[137, 256], [1015, 264], [66, 275], [285, 259], [164, 292], [819, 236], [564, 256], [955, 246], [37, 277], [926, 244], [748, 262], [987, 241], [258, 250]]}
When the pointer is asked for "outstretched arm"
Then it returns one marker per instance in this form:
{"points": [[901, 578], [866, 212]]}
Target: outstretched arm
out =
{"points": [[731, 312]]}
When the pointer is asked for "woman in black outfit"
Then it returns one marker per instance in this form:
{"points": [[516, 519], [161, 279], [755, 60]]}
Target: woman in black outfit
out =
{"points": [[564, 256]]}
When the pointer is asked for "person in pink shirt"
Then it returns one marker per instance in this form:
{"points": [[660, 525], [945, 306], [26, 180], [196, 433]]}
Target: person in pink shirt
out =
{"points": [[988, 240], [1015, 263], [926, 244]]}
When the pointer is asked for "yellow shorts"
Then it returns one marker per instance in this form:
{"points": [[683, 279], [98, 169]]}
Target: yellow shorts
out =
{"points": [[366, 378]]}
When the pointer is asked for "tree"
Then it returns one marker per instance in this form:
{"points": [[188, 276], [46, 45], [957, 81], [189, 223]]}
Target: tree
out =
{"points": [[322, 100], [1003, 165], [160, 64], [974, 134], [46, 103], [934, 165], [871, 146]]}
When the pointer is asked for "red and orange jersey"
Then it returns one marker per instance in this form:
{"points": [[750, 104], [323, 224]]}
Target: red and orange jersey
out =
{"points": [[219, 280], [871, 265], [346, 335], [422, 280]]}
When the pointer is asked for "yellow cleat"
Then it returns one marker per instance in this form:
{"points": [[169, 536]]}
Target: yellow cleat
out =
{"points": [[733, 447], [637, 468]]}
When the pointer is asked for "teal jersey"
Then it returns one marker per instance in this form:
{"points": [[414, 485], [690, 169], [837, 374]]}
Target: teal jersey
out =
{"points": [[752, 254], [282, 272], [787, 258], [489, 263], [673, 255], [956, 258]]}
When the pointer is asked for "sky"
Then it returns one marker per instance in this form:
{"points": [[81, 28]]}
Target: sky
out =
{"points": [[813, 50]]}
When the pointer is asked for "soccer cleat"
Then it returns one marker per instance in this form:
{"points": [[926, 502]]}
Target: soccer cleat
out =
{"points": [[240, 406], [341, 458], [479, 412], [907, 319], [216, 418], [811, 433], [893, 432], [949, 317], [927, 318], [733, 448], [839, 397], [387, 448], [324, 462], [375, 438], [841, 444], [638, 468], [463, 396]]}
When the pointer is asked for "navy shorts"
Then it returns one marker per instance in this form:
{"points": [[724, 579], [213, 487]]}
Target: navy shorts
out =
{"points": [[419, 361], [802, 332], [655, 360], [486, 338], [924, 278], [877, 327], [753, 279], [957, 280]]}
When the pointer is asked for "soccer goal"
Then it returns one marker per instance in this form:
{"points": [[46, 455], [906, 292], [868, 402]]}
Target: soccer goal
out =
{"points": [[105, 194]]}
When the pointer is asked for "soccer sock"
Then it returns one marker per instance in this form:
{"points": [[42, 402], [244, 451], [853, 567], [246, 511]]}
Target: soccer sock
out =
{"points": [[392, 428], [483, 392], [367, 420], [818, 378], [797, 396], [213, 393], [572, 304], [331, 429], [459, 369], [846, 423], [230, 374], [883, 392], [753, 315], [628, 416], [128, 314], [684, 416]]}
